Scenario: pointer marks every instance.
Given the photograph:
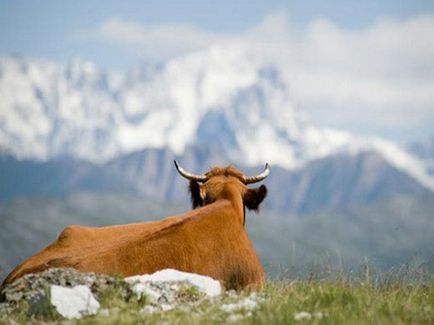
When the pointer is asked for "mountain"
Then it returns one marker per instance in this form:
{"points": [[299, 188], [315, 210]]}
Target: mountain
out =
{"points": [[80, 145], [209, 98], [66, 128], [50, 110], [219, 97], [424, 150], [335, 181], [394, 235]]}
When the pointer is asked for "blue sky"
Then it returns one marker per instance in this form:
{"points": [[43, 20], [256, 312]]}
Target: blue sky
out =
{"points": [[364, 66], [47, 29]]}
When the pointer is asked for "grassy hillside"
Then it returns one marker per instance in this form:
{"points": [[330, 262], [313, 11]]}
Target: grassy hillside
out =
{"points": [[315, 302], [312, 302]]}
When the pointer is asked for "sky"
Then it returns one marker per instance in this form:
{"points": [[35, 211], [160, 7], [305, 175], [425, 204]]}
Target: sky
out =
{"points": [[362, 66]]}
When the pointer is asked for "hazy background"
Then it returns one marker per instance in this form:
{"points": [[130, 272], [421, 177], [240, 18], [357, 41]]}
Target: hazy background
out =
{"points": [[98, 97]]}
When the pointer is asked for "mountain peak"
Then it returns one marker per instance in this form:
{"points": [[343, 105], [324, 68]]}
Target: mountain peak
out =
{"points": [[223, 97]]}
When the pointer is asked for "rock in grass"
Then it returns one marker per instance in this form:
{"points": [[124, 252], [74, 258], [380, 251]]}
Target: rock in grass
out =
{"points": [[33, 285], [248, 304], [168, 289], [163, 291], [73, 302], [205, 284]]}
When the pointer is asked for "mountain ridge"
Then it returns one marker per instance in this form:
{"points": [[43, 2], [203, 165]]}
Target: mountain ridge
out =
{"points": [[325, 183], [230, 101]]}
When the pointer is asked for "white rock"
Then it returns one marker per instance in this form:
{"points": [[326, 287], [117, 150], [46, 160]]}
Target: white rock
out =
{"points": [[73, 302], [248, 304], [167, 307], [205, 284], [145, 289], [234, 318], [149, 309], [104, 312], [318, 315], [303, 315]]}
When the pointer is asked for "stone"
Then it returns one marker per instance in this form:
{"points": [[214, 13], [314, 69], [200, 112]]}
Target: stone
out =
{"points": [[73, 302]]}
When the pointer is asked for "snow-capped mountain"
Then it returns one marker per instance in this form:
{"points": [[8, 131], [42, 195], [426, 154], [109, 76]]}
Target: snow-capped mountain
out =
{"points": [[226, 99], [215, 96], [50, 110]]}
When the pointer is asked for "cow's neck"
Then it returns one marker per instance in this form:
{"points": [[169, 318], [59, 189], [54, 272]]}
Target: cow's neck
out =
{"points": [[232, 193]]}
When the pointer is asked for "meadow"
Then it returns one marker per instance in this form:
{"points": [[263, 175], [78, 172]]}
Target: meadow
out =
{"points": [[311, 301]]}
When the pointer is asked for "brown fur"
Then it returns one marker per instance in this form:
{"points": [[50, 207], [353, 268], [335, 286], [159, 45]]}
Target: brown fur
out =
{"points": [[210, 240]]}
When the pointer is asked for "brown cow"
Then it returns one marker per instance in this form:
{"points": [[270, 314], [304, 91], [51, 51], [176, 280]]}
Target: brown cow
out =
{"points": [[209, 240]]}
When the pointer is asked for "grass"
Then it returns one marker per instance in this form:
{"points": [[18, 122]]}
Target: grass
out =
{"points": [[326, 302], [394, 298], [343, 303], [280, 302]]}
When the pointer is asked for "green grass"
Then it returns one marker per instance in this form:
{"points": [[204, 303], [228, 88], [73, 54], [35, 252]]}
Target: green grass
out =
{"points": [[328, 302], [343, 303]]}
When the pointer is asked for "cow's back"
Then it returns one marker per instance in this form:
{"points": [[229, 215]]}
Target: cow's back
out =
{"points": [[75, 243], [205, 241]]}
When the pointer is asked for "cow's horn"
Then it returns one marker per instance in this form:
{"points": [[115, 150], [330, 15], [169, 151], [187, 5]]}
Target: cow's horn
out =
{"points": [[193, 177], [257, 178]]}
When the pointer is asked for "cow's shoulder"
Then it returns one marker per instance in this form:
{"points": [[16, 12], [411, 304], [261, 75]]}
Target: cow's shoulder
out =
{"points": [[72, 231]]}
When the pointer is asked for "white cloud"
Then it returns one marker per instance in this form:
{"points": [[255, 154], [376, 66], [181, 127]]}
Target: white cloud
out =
{"points": [[388, 64], [378, 76], [156, 42]]}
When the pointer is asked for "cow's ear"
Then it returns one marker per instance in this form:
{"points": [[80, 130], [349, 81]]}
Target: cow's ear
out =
{"points": [[196, 199], [254, 196]]}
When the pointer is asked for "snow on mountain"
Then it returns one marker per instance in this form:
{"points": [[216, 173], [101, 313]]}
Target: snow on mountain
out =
{"points": [[405, 162], [212, 97], [220, 97], [49, 110]]}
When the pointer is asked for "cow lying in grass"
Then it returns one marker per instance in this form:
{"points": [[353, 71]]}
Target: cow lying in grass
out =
{"points": [[209, 240]]}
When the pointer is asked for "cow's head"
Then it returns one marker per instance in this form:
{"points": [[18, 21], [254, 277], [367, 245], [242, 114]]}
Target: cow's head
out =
{"points": [[224, 183]]}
